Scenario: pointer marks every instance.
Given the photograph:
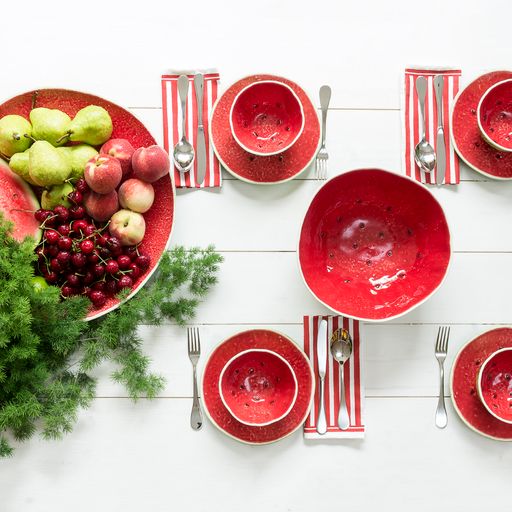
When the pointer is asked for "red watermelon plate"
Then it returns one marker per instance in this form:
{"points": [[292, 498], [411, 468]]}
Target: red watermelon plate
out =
{"points": [[265, 340], [160, 218], [263, 170], [464, 384], [467, 139]]}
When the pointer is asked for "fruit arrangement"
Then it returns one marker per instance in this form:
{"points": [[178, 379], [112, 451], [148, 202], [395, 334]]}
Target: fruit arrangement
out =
{"points": [[93, 192]]}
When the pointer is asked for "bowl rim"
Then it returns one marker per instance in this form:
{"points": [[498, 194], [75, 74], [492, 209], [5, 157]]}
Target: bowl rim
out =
{"points": [[479, 383], [275, 354], [291, 143], [311, 395], [409, 310], [452, 378], [148, 276], [452, 137], [483, 132]]}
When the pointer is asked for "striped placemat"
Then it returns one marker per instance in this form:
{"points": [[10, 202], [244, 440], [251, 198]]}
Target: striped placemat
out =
{"points": [[354, 384], [172, 125], [412, 122]]}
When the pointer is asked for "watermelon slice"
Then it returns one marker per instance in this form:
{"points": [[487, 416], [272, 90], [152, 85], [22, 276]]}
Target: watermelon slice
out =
{"points": [[18, 204]]}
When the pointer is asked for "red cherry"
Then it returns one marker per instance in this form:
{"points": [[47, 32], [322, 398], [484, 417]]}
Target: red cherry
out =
{"points": [[88, 278], [135, 271], [52, 251], [87, 246], [73, 280], [124, 261], [143, 262], [124, 282], [67, 291], [98, 298], [64, 229], [65, 243], [51, 236], [79, 225], [111, 287], [93, 257], [76, 212], [104, 253], [55, 265], [51, 277], [78, 260], [90, 230], [62, 213], [81, 186], [101, 240], [41, 215], [112, 267], [63, 258], [130, 251], [76, 197], [98, 270], [100, 286]]}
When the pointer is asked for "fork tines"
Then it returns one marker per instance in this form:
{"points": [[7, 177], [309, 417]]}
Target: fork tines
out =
{"points": [[194, 343], [443, 334]]}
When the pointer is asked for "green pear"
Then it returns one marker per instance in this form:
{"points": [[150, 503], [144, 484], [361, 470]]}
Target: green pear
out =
{"points": [[19, 163], [58, 194], [15, 133], [79, 155], [51, 125], [92, 125], [47, 166]]}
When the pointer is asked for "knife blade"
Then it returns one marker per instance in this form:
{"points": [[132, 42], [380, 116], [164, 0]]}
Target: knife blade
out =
{"points": [[440, 144], [321, 354], [200, 142]]}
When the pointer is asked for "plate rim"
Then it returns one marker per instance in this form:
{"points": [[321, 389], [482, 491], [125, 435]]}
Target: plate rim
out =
{"points": [[313, 386], [242, 178]]}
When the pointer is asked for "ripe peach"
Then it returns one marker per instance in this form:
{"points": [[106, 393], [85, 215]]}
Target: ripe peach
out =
{"points": [[128, 226], [101, 206], [150, 164], [136, 195], [122, 150], [103, 173]]}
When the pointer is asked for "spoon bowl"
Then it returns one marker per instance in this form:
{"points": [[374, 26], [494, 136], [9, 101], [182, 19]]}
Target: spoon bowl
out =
{"points": [[425, 156], [341, 350], [183, 154]]}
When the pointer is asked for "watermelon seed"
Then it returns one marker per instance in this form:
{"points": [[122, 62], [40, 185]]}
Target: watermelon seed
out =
{"points": [[499, 156], [478, 362], [346, 281], [287, 128], [473, 111], [381, 234], [255, 105], [281, 158], [472, 391], [355, 245], [368, 262], [389, 253], [361, 225], [251, 371]]}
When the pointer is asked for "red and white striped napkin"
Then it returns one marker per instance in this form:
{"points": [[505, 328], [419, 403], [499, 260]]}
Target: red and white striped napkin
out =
{"points": [[172, 125], [354, 387], [412, 122]]}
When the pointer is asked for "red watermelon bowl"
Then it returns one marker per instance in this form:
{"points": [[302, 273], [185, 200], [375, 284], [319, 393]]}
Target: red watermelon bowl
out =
{"points": [[494, 384], [373, 245], [266, 118], [258, 387], [494, 115], [160, 218]]}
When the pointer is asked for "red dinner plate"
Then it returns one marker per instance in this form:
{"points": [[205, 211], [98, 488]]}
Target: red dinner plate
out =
{"points": [[464, 384], [262, 339], [159, 219], [373, 244], [263, 170], [466, 136]]}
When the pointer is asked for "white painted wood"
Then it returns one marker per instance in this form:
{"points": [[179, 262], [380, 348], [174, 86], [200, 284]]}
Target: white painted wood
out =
{"points": [[143, 456]]}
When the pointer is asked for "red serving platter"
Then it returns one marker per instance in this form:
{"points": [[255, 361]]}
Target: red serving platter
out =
{"points": [[467, 139], [373, 244], [263, 169], [262, 339], [464, 384], [159, 219]]}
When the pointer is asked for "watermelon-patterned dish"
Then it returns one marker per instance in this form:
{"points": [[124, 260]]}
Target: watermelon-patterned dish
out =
{"points": [[159, 219], [373, 245], [259, 339], [466, 136], [495, 384], [258, 387], [464, 384], [263, 170], [494, 115]]}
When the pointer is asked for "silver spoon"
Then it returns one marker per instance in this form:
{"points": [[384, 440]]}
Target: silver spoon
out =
{"points": [[341, 350], [183, 154], [424, 154]]}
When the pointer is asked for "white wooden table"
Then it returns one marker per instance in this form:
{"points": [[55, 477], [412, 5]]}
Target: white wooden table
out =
{"points": [[144, 457]]}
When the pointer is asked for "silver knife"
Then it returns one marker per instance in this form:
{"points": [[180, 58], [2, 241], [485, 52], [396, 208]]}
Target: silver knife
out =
{"points": [[321, 354], [200, 141], [440, 146]]}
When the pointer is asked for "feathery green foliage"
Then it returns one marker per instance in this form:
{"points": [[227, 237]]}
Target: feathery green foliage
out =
{"points": [[47, 349]]}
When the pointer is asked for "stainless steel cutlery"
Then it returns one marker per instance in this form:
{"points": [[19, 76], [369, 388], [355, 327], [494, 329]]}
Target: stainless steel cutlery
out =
{"points": [[440, 146], [341, 350], [200, 141], [323, 156], [424, 154], [194, 352], [183, 154], [321, 353], [443, 335]]}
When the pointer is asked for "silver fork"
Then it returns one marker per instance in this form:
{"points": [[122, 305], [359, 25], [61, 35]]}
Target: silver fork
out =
{"points": [[443, 336], [194, 351], [322, 156]]}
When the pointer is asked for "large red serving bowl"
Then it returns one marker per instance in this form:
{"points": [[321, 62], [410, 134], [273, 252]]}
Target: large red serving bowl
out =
{"points": [[266, 117], [160, 218], [373, 244], [258, 387]]}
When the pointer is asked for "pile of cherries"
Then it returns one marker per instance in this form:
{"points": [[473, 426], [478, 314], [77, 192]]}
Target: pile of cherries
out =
{"points": [[81, 257]]}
